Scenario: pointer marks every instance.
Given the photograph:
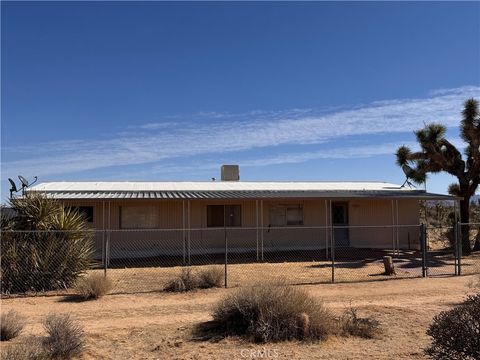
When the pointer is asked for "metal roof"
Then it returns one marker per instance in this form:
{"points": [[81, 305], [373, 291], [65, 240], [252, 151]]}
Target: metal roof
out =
{"points": [[229, 190]]}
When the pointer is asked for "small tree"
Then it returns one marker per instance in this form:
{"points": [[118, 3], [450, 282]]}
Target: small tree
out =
{"points": [[44, 246], [439, 155]]}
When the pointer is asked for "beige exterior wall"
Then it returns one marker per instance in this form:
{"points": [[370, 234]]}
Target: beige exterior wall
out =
{"points": [[173, 213]]}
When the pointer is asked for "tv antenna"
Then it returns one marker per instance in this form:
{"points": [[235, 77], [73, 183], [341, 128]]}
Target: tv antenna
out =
{"points": [[408, 171]]}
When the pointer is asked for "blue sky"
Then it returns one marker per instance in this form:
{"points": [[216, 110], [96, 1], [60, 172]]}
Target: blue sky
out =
{"points": [[289, 91]]}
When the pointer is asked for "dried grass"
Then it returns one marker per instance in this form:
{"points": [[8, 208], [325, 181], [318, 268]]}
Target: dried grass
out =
{"points": [[11, 325], [273, 313], [211, 277], [65, 337], [93, 286], [187, 280], [353, 325]]}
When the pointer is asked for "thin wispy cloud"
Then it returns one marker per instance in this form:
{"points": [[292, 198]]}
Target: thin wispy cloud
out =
{"points": [[236, 133]]}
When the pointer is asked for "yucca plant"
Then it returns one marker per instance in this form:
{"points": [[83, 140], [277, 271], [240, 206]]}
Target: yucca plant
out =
{"points": [[45, 246]]}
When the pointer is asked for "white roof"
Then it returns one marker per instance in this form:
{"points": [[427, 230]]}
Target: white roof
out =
{"points": [[79, 186]]}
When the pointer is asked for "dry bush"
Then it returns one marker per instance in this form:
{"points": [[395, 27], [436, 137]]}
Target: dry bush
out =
{"points": [[456, 333], [211, 277], [11, 325], [272, 313], [93, 286], [186, 281], [353, 325], [65, 338], [28, 350], [475, 283]]}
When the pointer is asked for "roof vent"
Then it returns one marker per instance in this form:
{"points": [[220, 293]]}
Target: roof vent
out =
{"points": [[230, 173]]}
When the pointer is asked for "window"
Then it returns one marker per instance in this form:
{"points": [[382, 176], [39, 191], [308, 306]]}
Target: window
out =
{"points": [[286, 215], [85, 211], [138, 217], [224, 215]]}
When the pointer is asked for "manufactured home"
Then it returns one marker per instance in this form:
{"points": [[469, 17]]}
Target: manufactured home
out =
{"points": [[147, 219]]}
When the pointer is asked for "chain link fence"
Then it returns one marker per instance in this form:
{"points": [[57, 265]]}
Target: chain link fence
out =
{"points": [[145, 260]]}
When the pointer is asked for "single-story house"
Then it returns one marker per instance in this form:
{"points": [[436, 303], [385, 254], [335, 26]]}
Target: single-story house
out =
{"points": [[156, 218]]}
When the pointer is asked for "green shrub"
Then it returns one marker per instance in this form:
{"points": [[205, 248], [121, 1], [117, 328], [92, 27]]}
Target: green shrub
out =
{"points": [[11, 325], [46, 246], [456, 333], [93, 286], [65, 338], [273, 313]]}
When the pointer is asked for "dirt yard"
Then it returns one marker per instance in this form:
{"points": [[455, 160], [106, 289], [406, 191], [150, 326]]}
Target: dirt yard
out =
{"points": [[158, 325], [136, 279]]}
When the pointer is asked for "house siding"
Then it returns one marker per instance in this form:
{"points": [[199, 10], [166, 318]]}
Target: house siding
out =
{"points": [[169, 237]]}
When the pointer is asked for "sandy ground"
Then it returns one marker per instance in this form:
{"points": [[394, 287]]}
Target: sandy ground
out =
{"points": [[130, 280], [159, 325]]}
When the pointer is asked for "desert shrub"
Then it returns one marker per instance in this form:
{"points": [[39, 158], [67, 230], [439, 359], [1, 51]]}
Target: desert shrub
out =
{"points": [[11, 325], [27, 350], [353, 325], [93, 286], [456, 333], [272, 313], [185, 281], [65, 337], [45, 247], [211, 277]]}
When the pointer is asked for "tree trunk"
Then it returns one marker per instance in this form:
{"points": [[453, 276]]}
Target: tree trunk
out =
{"points": [[465, 229]]}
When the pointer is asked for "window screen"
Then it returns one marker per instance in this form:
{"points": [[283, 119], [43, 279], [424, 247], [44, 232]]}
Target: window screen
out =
{"points": [[138, 217], [224, 215], [284, 215]]}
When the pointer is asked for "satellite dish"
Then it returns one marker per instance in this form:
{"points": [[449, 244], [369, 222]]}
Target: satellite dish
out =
{"points": [[408, 171], [13, 188], [23, 181]]}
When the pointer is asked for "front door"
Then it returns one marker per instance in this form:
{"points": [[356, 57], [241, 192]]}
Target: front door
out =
{"points": [[340, 219]]}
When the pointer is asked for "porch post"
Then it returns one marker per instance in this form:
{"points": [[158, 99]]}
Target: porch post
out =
{"points": [[393, 228], [189, 236], [183, 231], [396, 227], [326, 229], [332, 243], [104, 248], [261, 226]]}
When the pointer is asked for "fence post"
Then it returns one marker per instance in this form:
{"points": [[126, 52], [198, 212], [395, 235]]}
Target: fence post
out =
{"points": [[455, 235], [460, 248], [423, 244], [104, 250], [332, 253], [226, 256]]}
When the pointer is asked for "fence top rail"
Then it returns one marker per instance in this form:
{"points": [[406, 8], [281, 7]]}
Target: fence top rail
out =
{"points": [[476, 224], [228, 228]]}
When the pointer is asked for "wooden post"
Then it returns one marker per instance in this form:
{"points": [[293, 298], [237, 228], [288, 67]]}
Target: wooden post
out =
{"points": [[388, 264]]}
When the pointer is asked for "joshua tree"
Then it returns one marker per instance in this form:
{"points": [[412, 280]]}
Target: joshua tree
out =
{"points": [[437, 154]]}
